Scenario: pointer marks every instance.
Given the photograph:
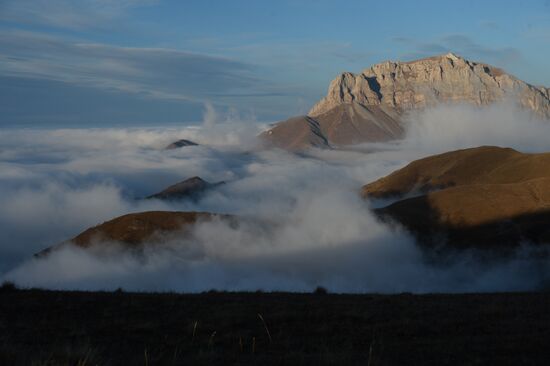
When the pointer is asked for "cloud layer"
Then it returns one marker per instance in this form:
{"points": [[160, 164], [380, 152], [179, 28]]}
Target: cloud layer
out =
{"points": [[302, 226]]}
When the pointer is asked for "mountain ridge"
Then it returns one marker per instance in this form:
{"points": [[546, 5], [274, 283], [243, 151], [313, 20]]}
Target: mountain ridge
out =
{"points": [[420, 83], [483, 197], [369, 106]]}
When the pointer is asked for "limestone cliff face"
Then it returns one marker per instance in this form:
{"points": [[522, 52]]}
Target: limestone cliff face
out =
{"points": [[426, 82], [368, 107], [545, 91]]}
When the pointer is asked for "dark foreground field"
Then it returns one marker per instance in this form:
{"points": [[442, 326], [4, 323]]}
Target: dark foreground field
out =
{"points": [[99, 328]]}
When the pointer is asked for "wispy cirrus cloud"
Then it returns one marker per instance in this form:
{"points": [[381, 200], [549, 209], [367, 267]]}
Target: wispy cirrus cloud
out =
{"points": [[153, 72], [162, 74], [73, 14]]}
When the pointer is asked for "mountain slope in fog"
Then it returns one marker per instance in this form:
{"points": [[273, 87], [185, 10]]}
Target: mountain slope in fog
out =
{"points": [[296, 133], [191, 188], [478, 197], [368, 107], [133, 230], [180, 143]]}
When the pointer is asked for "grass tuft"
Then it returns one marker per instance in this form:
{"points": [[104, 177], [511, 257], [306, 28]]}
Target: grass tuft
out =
{"points": [[194, 331], [265, 326]]}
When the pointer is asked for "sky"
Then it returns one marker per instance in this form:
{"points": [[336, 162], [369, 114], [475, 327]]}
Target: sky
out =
{"points": [[108, 63]]}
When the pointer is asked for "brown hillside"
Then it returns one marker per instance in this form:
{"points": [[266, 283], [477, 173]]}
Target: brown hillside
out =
{"points": [[481, 165], [478, 197], [135, 229], [349, 124], [295, 134], [482, 216], [345, 124]]}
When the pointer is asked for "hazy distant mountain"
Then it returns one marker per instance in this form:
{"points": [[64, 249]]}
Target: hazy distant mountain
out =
{"points": [[180, 143], [475, 197], [190, 188], [368, 107]]}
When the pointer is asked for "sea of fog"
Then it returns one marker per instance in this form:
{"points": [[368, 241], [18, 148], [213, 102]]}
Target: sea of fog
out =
{"points": [[309, 227]]}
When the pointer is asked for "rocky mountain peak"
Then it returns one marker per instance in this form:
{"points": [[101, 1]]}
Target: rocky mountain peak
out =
{"points": [[453, 56], [426, 82], [369, 106]]}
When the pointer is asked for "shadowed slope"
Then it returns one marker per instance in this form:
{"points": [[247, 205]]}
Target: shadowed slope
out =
{"points": [[349, 124], [477, 197], [180, 143], [190, 188], [346, 124], [295, 134], [481, 215]]}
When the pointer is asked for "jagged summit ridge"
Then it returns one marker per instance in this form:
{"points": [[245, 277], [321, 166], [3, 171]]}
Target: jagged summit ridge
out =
{"points": [[369, 106], [426, 82]]}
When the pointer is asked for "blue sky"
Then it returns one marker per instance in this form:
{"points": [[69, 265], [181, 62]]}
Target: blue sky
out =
{"points": [[151, 62]]}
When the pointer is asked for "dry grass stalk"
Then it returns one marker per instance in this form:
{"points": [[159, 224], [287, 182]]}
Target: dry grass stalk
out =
{"points": [[265, 326], [85, 360], [211, 340], [194, 331], [371, 349], [176, 350]]}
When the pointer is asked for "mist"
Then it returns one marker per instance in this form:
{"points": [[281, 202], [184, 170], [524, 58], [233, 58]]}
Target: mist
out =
{"points": [[301, 221], [452, 127]]}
